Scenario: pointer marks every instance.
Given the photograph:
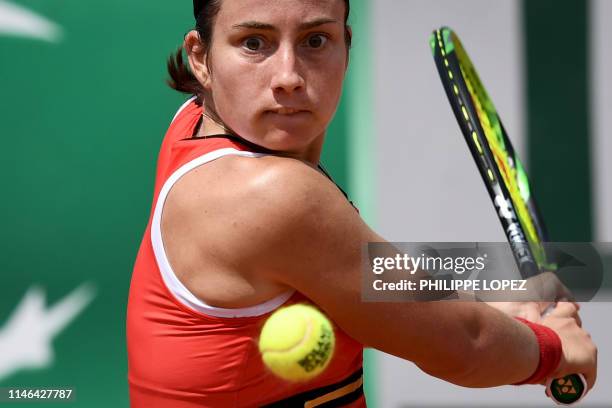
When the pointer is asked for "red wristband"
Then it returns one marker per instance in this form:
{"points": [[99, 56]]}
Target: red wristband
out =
{"points": [[550, 352]]}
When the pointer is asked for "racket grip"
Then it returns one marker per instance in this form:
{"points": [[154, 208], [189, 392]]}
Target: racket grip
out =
{"points": [[567, 390]]}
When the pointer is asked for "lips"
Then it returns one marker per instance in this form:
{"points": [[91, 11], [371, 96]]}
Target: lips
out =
{"points": [[287, 111]]}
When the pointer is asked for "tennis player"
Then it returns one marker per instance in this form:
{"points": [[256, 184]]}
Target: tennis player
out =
{"points": [[245, 221]]}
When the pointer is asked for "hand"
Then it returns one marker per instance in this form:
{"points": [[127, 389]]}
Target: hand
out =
{"points": [[542, 292], [531, 311], [579, 351], [547, 288]]}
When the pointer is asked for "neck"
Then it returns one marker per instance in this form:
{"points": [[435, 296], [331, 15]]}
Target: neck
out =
{"points": [[311, 155], [211, 127]]}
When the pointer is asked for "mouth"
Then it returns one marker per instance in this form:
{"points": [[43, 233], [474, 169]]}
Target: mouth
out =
{"points": [[287, 111]]}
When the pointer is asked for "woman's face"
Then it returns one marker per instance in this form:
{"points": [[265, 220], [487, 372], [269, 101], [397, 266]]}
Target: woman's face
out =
{"points": [[277, 70]]}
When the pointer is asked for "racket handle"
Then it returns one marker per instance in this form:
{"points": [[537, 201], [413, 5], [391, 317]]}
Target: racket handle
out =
{"points": [[567, 390]]}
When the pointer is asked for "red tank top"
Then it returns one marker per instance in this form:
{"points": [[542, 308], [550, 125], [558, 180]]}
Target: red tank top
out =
{"points": [[183, 353]]}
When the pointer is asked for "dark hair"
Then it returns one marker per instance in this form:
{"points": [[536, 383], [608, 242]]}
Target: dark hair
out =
{"points": [[181, 78]]}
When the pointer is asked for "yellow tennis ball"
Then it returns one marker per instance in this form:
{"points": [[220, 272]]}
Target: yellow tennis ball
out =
{"points": [[297, 342]]}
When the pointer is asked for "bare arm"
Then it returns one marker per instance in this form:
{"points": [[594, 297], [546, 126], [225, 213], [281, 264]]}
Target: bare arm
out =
{"points": [[288, 223]]}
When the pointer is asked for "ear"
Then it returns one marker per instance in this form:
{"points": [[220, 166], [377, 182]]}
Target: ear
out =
{"points": [[197, 58], [349, 32]]}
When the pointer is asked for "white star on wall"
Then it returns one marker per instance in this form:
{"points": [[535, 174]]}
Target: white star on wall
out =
{"points": [[26, 338], [18, 21]]}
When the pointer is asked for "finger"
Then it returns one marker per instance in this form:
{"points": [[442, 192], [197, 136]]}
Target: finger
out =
{"points": [[563, 293], [590, 379], [570, 301], [545, 307], [575, 314], [578, 319], [594, 373], [565, 309], [532, 312]]}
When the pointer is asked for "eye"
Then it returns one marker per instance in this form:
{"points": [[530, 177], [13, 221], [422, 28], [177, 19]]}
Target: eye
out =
{"points": [[316, 40], [253, 43]]}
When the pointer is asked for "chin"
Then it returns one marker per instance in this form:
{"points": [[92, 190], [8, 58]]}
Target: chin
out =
{"points": [[288, 140]]}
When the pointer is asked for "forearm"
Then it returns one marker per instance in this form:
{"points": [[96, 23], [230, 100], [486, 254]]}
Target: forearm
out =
{"points": [[505, 351], [468, 344]]}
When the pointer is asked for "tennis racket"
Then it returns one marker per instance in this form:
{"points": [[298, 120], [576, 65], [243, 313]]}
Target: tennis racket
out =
{"points": [[502, 173]]}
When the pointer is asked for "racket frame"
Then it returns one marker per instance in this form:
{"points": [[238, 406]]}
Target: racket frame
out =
{"points": [[463, 107]]}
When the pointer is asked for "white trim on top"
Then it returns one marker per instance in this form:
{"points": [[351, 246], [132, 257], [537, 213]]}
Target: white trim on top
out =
{"points": [[183, 106], [174, 285]]}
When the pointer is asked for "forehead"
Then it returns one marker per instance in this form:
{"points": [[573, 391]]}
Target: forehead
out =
{"points": [[278, 12]]}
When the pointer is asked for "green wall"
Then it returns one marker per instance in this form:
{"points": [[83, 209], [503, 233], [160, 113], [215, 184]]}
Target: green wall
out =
{"points": [[557, 44], [81, 123], [82, 119]]}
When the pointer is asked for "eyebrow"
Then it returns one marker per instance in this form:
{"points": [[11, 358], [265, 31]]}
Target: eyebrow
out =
{"points": [[304, 26]]}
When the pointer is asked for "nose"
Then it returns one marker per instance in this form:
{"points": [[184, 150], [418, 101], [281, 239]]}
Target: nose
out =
{"points": [[287, 76]]}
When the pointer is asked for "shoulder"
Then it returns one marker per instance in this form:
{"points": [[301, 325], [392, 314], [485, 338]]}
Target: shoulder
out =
{"points": [[267, 185], [264, 213]]}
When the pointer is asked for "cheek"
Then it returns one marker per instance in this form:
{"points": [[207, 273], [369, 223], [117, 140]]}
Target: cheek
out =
{"points": [[227, 82], [328, 87], [235, 95]]}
